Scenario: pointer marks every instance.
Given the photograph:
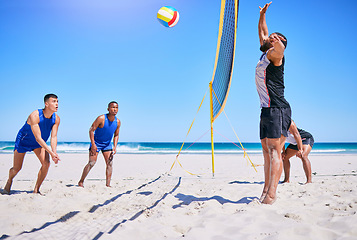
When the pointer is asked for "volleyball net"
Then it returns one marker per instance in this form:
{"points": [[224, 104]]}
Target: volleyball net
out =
{"points": [[223, 68], [222, 74]]}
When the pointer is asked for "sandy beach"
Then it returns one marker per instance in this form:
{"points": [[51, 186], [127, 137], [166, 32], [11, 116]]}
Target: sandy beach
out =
{"points": [[147, 201]]}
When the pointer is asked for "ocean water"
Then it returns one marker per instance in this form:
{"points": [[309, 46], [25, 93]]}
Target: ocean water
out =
{"points": [[197, 148]]}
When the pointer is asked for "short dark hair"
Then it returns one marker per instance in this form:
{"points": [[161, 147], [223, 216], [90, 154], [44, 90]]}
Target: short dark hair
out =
{"points": [[48, 96], [281, 35], [112, 102]]}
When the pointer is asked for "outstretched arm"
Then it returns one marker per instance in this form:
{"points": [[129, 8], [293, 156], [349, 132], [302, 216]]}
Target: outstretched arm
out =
{"points": [[294, 131], [262, 25], [54, 136], [33, 121], [99, 121], [116, 138]]}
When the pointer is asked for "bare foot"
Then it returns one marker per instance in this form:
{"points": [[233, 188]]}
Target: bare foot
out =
{"points": [[269, 200], [286, 181], [5, 192], [262, 196], [108, 186], [38, 192], [7, 187], [80, 184]]}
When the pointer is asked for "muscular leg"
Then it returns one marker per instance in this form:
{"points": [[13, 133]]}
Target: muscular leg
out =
{"points": [[109, 169], [266, 168], [44, 158], [17, 165], [88, 167], [306, 162], [286, 162], [276, 167]]}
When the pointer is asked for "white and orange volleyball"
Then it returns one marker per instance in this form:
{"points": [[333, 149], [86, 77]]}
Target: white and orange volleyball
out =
{"points": [[168, 16]]}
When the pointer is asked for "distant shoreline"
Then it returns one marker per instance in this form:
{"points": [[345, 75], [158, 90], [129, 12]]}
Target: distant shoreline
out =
{"points": [[170, 148]]}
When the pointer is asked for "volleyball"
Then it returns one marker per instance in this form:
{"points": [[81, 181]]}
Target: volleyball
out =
{"points": [[168, 16]]}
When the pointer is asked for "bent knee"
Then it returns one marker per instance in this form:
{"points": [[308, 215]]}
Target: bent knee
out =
{"points": [[16, 169], [92, 163], [46, 164]]}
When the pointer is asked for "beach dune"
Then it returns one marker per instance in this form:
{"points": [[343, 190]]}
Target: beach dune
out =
{"points": [[148, 201]]}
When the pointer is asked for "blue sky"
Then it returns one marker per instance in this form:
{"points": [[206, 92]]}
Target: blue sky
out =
{"points": [[92, 52]]}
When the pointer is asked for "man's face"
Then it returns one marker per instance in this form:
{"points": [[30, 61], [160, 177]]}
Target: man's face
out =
{"points": [[113, 108], [52, 104], [266, 45], [268, 42]]}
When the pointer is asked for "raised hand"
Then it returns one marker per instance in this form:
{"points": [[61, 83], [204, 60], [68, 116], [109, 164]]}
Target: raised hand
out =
{"points": [[265, 8]]}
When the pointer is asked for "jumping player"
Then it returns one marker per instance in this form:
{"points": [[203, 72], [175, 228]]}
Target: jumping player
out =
{"points": [[101, 134], [33, 136], [275, 115]]}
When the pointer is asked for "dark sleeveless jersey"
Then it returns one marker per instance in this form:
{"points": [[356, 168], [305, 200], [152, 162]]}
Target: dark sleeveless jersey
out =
{"points": [[269, 80]]}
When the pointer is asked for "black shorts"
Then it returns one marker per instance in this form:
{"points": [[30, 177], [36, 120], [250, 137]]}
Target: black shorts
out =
{"points": [[274, 122], [305, 141]]}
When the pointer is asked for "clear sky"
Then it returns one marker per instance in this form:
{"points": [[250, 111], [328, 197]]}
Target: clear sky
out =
{"points": [[90, 52]]}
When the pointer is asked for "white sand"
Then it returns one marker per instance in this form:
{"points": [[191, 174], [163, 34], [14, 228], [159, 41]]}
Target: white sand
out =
{"points": [[147, 203]]}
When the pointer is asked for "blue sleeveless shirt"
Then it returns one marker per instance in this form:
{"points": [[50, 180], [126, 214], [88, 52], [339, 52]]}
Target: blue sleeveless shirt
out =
{"points": [[104, 135], [26, 141]]}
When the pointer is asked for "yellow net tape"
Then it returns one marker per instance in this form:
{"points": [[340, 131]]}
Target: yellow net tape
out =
{"points": [[245, 153], [176, 160]]}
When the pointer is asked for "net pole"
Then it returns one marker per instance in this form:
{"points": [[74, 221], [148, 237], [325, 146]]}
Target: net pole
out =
{"points": [[211, 120]]}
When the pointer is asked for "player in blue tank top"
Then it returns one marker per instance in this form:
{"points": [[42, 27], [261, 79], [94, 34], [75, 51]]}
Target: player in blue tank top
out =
{"points": [[275, 117], [101, 133], [33, 136]]}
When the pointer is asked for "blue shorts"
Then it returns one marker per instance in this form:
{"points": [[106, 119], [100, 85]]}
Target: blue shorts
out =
{"points": [[23, 149], [102, 147], [23, 146]]}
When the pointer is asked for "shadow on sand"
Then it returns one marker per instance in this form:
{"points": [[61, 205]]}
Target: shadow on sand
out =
{"points": [[245, 182], [188, 199]]}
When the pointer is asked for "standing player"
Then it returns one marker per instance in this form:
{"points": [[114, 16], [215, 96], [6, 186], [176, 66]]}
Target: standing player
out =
{"points": [[33, 136], [101, 134], [275, 115]]}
